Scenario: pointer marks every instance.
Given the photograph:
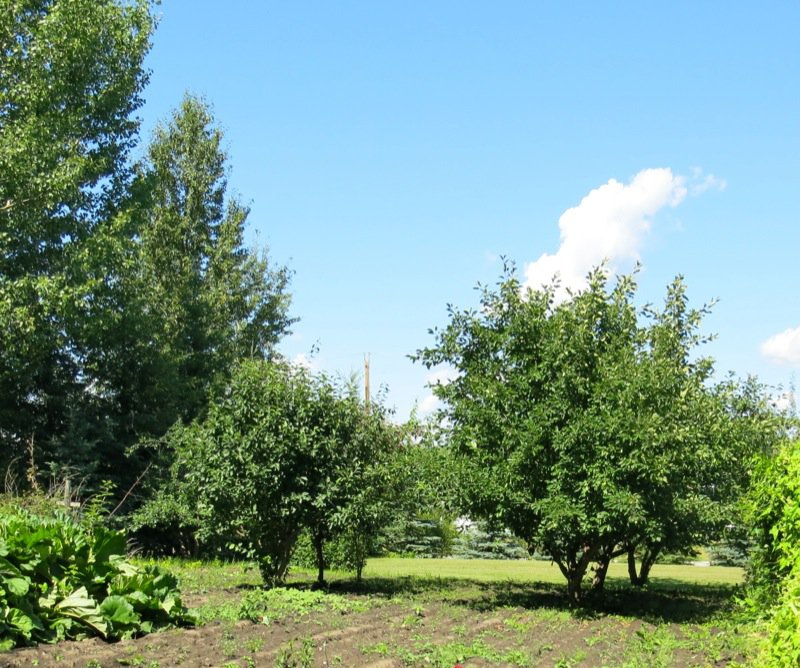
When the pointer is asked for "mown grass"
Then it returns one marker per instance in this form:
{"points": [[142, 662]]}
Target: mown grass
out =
{"points": [[392, 574], [494, 570]]}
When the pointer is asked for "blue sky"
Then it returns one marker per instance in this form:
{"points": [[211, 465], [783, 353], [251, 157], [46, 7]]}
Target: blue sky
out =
{"points": [[392, 152]]}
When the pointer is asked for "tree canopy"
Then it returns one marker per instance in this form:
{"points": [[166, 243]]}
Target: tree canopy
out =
{"points": [[589, 427], [71, 78]]}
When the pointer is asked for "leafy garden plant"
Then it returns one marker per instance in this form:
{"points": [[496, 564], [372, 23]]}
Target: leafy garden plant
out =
{"points": [[62, 580]]}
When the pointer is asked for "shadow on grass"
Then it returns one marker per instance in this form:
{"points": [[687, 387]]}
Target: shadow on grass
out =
{"points": [[664, 601]]}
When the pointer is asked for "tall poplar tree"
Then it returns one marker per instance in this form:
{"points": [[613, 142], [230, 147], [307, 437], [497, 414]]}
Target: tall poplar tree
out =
{"points": [[215, 300], [71, 77]]}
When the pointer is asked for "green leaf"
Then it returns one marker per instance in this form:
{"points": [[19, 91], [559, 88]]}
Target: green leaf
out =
{"points": [[118, 611], [17, 586], [108, 543], [7, 568], [169, 604], [81, 607], [122, 565], [138, 597], [21, 621]]}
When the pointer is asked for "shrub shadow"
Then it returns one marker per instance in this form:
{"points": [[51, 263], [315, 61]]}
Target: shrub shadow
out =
{"points": [[665, 601]]}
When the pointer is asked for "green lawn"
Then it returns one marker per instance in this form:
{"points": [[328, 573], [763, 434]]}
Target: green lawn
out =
{"points": [[492, 570], [203, 575]]}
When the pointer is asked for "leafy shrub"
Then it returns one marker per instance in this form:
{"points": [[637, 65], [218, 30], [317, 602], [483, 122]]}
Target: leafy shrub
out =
{"points": [[280, 450], [60, 579], [166, 525], [774, 510], [334, 551], [784, 628], [338, 552], [774, 575]]}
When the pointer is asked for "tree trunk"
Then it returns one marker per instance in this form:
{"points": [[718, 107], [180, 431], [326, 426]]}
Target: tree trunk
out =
{"points": [[648, 559], [359, 548], [632, 574], [319, 542], [574, 591], [600, 572], [647, 563], [603, 561], [574, 568], [274, 559]]}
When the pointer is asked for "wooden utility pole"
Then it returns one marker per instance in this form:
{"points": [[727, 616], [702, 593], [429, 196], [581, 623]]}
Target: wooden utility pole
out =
{"points": [[366, 382]]}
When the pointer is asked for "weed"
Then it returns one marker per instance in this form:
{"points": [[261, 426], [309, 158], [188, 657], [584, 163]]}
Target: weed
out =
{"points": [[230, 648], [653, 648], [265, 606], [254, 645], [450, 654], [411, 621], [521, 623], [381, 648], [286, 655], [579, 655]]}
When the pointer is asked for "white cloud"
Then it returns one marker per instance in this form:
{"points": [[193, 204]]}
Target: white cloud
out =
{"points": [[304, 361], [609, 224], [703, 182], [428, 405], [441, 375], [783, 348], [784, 401]]}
